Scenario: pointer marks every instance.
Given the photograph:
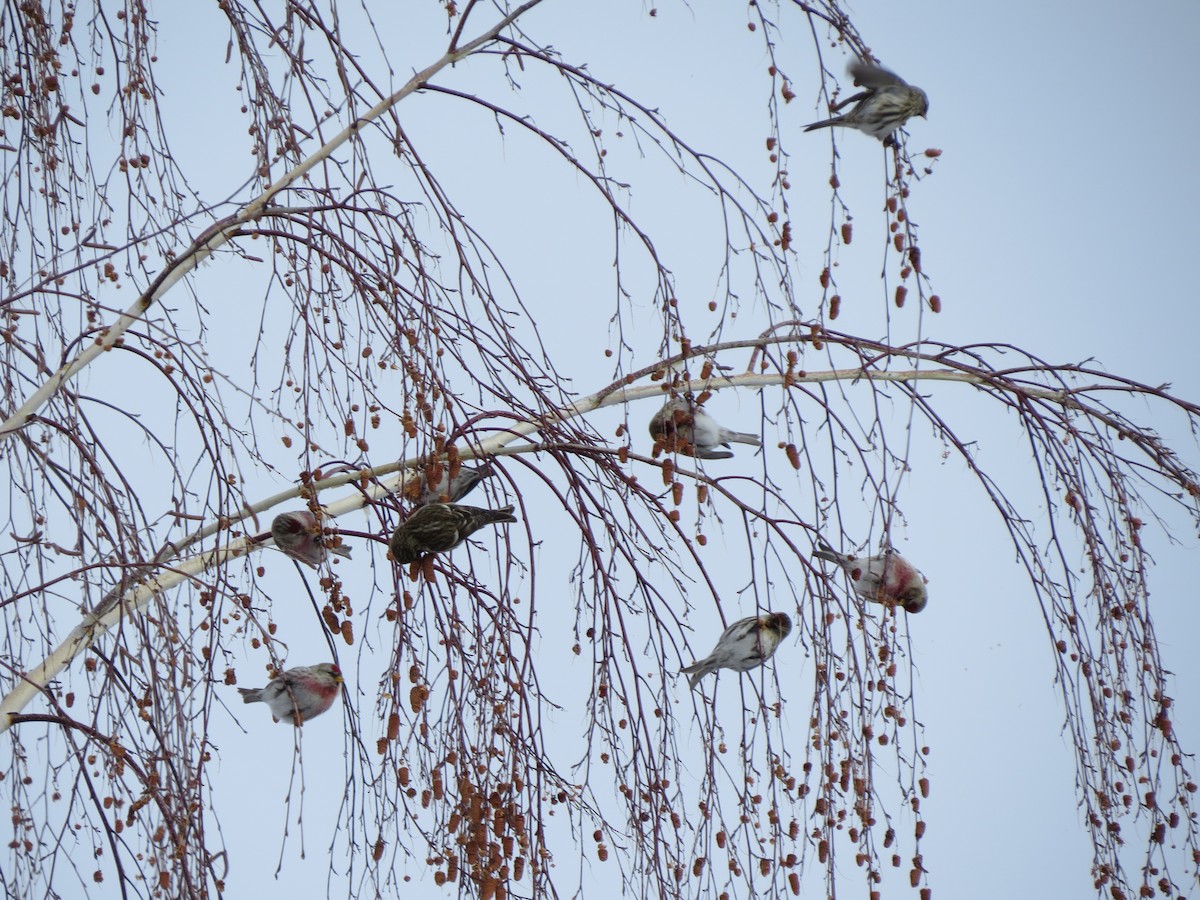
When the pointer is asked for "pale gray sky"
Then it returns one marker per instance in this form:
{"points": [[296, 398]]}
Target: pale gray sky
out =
{"points": [[1061, 218]]}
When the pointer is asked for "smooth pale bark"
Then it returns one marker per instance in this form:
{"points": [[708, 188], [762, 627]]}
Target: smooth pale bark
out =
{"points": [[221, 233], [171, 574]]}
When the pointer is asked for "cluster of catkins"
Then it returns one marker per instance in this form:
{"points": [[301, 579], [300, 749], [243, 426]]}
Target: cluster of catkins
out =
{"points": [[440, 523], [299, 694]]}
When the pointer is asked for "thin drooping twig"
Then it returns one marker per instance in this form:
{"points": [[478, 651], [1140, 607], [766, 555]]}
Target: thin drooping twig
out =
{"points": [[376, 485], [220, 233]]}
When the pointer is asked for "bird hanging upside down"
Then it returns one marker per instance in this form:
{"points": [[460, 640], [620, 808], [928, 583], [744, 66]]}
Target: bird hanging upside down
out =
{"points": [[300, 535], [887, 578], [683, 427]]}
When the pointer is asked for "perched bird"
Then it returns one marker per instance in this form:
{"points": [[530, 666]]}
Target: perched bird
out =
{"points": [[685, 428], [888, 578], [885, 105], [299, 694], [744, 645], [299, 535], [451, 490], [441, 526]]}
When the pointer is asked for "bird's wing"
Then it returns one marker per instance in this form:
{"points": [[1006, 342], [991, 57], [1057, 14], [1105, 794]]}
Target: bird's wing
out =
{"points": [[843, 103], [740, 629], [875, 77]]}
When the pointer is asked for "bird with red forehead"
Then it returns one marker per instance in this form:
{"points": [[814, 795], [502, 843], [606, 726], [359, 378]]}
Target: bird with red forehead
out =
{"points": [[683, 427], [886, 578], [299, 694], [300, 535], [451, 490]]}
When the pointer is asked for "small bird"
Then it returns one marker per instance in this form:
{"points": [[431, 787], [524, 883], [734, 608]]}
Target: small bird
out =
{"points": [[451, 490], [441, 526], [887, 578], [885, 105], [745, 644], [299, 694], [300, 536], [683, 427]]}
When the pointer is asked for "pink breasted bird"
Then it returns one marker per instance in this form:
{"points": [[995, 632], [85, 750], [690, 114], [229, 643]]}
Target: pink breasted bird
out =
{"points": [[886, 104], [683, 427], [886, 578], [744, 645], [300, 536], [438, 527], [299, 694]]}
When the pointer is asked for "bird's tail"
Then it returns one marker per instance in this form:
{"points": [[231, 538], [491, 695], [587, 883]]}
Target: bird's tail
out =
{"points": [[503, 514], [697, 671], [250, 695], [824, 123], [742, 437], [826, 552]]}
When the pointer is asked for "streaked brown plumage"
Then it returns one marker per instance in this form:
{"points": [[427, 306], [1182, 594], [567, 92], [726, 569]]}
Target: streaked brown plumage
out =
{"points": [[886, 104], [438, 527], [744, 645]]}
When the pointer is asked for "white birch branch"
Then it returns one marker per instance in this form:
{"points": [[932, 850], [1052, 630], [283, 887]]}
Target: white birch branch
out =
{"points": [[171, 575], [224, 231]]}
